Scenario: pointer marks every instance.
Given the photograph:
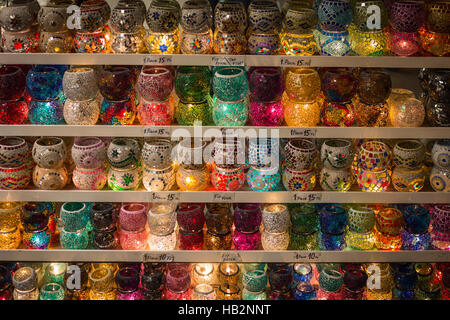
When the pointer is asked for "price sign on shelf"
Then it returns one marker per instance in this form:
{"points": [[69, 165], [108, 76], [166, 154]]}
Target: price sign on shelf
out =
{"points": [[227, 61], [306, 197], [164, 196], [223, 196], [231, 257], [307, 256], [156, 132], [153, 60], [303, 133], [164, 257], [295, 62]]}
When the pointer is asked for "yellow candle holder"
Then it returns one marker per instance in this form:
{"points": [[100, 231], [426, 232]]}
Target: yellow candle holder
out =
{"points": [[217, 242], [192, 179], [228, 292], [300, 114], [228, 273], [368, 43], [438, 44], [360, 240], [163, 43], [298, 44], [102, 285], [412, 180], [302, 84], [387, 242], [10, 239], [9, 215]]}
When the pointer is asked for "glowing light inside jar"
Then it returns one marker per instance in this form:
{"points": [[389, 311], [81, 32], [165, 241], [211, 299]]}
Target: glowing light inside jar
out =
{"points": [[203, 273]]}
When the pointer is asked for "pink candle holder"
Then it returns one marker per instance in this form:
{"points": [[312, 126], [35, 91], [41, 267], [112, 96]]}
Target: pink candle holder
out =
{"points": [[404, 43], [268, 114], [133, 217], [133, 240], [247, 241], [178, 280], [155, 113]]}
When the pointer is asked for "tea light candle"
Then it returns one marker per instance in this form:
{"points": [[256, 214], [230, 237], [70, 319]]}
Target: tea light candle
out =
{"points": [[215, 241], [228, 273], [203, 273], [52, 291], [192, 179], [302, 273], [54, 273]]}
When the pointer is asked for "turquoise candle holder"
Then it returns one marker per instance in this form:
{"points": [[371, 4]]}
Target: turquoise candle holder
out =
{"points": [[248, 295], [52, 291], [74, 239], [230, 113], [254, 280], [230, 84], [263, 179]]}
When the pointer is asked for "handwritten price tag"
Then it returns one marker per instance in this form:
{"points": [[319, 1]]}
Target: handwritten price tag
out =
{"points": [[307, 256], [306, 197], [165, 257], [156, 132], [223, 197], [295, 62], [227, 61], [157, 60], [163, 197], [231, 257], [304, 133]]}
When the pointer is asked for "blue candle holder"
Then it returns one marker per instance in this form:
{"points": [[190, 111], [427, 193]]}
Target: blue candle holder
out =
{"points": [[333, 219], [417, 219], [332, 43], [260, 151], [263, 179], [405, 276], [44, 83], [416, 242], [46, 112], [305, 291], [333, 242], [335, 15], [302, 273]]}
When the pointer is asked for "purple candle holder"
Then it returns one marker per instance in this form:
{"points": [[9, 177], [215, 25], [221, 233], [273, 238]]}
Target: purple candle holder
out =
{"points": [[265, 84], [280, 279], [247, 217], [247, 241], [127, 279], [407, 16], [190, 218]]}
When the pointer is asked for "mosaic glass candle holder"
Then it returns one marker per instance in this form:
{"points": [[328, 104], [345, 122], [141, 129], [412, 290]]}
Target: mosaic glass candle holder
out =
{"points": [[219, 219], [46, 112], [263, 43], [89, 152], [332, 43], [190, 218], [336, 153], [171, 295], [163, 16], [190, 113], [10, 238], [49, 152], [374, 155], [369, 43], [89, 179], [275, 241], [196, 42], [102, 215], [263, 179], [13, 112], [156, 153], [155, 83], [122, 179], [84, 112], [404, 43], [305, 291], [302, 273], [203, 291], [334, 15], [407, 113], [9, 215], [330, 281], [295, 180], [34, 216], [247, 241], [407, 16], [74, 215], [360, 240], [228, 292], [247, 217], [123, 152], [230, 17], [133, 217], [255, 280], [12, 83], [158, 179], [156, 113], [438, 15], [229, 273], [56, 42], [162, 242], [416, 218], [264, 16], [262, 152], [333, 219], [304, 219], [411, 241], [190, 241], [299, 18], [229, 152], [266, 113], [405, 180], [15, 177], [265, 84], [336, 180], [298, 44], [133, 42], [229, 43], [50, 179], [43, 83], [52, 291], [440, 153], [74, 239], [162, 219], [437, 113], [13, 151], [38, 239], [302, 84], [440, 179], [338, 85], [300, 154], [440, 241], [437, 44], [280, 279], [374, 86], [299, 114], [80, 84], [389, 221], [230, 113], [408, 154], [227, 179], [371, 115], [230, 84], [133, 240], [106, 239], [192, 179], [192, 83], [116, 83], [190, 153], [18, 42], [102, 284], [163, 43], [178, 280], [399, 94], [440, 215], [337, 115], [204, 273], [92, 42], [217, 241]]}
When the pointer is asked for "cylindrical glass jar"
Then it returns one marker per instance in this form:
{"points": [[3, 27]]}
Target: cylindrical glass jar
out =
{"points": [[102, 284], [10, 239], [192, 83], [133, 240], [122, 179], [162, 242], [247, 217], [217, 241], [276, 218], [266, 113], [302, 84], [39, 239]]}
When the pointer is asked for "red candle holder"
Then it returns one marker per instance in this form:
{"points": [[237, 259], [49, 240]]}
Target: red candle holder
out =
{"points": [[190, 241], [155, 113], [13, 112], [191, 218], [338, 115], [438, 44], [227, 179], [404, 43]]}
